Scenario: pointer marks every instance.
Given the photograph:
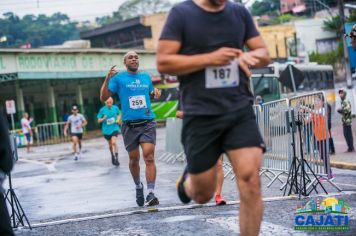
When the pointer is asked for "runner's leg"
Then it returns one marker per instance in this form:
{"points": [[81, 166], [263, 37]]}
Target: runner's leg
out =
{"points": [[246, 163], [201, 187], [220, 176], [114, 150], [134, 165], [220, 181], [74, 143], [148, 156]]}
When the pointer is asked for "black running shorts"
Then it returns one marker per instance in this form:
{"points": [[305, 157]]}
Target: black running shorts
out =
{"points": [[109, 136], [205, 138], [79, 135]]}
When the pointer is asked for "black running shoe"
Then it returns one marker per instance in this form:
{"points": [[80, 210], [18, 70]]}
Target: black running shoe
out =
{"points": [[117, 163], [180, 187], [152, 200], [140, 199], [113, 161]]}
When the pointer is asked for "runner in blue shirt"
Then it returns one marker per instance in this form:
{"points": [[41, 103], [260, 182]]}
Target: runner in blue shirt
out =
{"points": [[134, 89], [109, 117]]}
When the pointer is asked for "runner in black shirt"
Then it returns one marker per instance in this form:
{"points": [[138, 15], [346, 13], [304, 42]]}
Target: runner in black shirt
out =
{"points": [[201, 42]]}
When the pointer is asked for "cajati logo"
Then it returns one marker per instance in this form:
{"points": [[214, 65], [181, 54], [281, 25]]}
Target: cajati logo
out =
{"points": [[322, 214]]}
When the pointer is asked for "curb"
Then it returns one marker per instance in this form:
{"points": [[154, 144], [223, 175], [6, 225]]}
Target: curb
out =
{"points": [[343, 165]]}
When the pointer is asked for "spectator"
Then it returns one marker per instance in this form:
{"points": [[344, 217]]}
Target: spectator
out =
{"points": [[345, 111], [27, 130]]}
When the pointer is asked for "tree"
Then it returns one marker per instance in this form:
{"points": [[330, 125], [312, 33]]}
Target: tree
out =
{"points": [[134, 8], [38, 30], [266, 7]]}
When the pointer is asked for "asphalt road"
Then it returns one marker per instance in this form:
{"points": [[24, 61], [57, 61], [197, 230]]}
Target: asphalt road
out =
{"points": [[92, 197]]}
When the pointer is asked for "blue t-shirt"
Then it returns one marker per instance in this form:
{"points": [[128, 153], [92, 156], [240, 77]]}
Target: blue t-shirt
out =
{"points": [[109, 125], [134, 93]]}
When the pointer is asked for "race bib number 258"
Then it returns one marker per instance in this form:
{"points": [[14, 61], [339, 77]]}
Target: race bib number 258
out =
{"points": [[222, 76], [137, 102]]}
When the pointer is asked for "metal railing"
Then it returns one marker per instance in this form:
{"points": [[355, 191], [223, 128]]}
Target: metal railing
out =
{"points": [[173, 148], [50, 133]]}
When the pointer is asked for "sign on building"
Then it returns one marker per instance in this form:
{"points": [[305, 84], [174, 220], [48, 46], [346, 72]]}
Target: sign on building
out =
{"points": [[10, 107]]}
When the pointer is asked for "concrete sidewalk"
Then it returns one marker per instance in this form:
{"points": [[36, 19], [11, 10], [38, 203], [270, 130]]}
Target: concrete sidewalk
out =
{"points": [[342, 159]]}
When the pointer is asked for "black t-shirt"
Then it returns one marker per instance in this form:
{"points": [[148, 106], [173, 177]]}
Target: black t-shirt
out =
{"points": [[199, 32]]}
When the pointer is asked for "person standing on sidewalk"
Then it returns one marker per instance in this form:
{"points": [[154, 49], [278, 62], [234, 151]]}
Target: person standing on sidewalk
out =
{"points": [[27, 130], [77, 122], [202, 42], [346, 118], [6, 164], [134, 89], [109, 117]]}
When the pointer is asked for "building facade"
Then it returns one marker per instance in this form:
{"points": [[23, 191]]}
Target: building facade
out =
{"points": [[141, 32], [47, 82]]}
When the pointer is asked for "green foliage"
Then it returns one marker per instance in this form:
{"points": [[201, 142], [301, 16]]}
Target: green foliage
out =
{"points": [[265, 7], [38, 30], [333, 24], [134, 8], [329, 58]]}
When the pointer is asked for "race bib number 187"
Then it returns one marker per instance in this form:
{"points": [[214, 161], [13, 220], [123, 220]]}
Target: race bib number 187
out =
{"points": [[137, 102], [222, 76]]}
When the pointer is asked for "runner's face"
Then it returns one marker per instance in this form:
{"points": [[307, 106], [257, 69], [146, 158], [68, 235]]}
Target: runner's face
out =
{"points": [[109, 103], [132, 62], [75, 111], [217, 3], [318, 103]]}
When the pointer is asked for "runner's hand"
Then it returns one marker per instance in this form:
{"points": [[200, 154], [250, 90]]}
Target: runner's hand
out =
{"points": [[112, 72], [156, 93], [103, 118], [246, 61], [223, 56]]}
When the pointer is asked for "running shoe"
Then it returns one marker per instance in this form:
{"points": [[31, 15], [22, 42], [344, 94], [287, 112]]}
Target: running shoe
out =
{"points": [[117, 163], [322, 179], [180, 187], [219, 200], [152, 200], [140, 199], [75, 157]]}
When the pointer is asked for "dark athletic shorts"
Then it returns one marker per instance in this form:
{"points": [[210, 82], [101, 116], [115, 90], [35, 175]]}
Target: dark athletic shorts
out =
{"points": [[108, 137], [79, 135], [28, 137], [205, 138], [141, 134]]}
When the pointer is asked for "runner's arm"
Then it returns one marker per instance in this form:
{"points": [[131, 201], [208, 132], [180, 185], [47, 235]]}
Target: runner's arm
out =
{"points": [[66, 128], [100, 120], [85, 122], [118, 119], [104, 91], [170, 62], [258, 50]]}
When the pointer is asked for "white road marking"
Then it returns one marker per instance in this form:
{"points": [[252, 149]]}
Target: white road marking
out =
{"points": [[159, 107], [171, 110]]}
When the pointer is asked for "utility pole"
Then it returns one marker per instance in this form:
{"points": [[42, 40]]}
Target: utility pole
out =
{"points": [[346, 51]]}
